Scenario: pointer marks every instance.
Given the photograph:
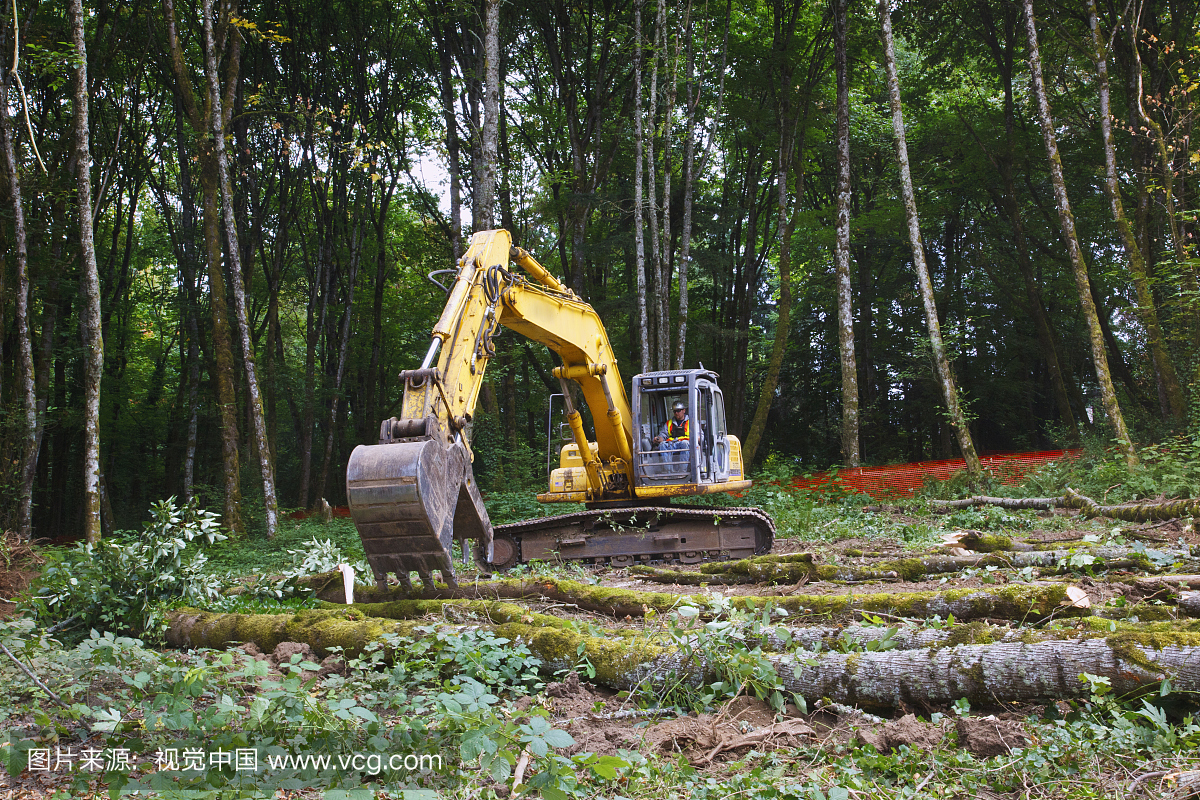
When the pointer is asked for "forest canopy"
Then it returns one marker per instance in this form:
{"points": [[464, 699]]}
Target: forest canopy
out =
{"points": [[225, 310]]}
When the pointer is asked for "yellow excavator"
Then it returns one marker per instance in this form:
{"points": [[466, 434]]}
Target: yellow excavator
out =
{"points": [[413, 494]]}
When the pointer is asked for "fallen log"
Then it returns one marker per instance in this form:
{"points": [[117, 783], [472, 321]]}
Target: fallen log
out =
{"points": [[1129, 512], [774, 570], [989, 673], [1038, 503], [1034, 602], [349, 630], [613, 602], [1132, 512], [1008, 670], [1165, 583]]}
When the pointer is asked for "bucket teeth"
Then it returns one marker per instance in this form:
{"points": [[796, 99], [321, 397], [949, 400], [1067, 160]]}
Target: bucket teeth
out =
{"points": [[409, 501]]}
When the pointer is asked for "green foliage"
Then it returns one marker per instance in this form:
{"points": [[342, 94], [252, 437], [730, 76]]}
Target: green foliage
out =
{"points": [[492, 660], [730, 646], [264, 592], [116, 584], [1170, 469], [258, 555], [990, 518], [128, 695], [501, 465], [515, 506]]}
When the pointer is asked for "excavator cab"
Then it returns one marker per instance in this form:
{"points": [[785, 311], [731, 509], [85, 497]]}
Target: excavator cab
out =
{"points": [[707, 459], [702, 456]]}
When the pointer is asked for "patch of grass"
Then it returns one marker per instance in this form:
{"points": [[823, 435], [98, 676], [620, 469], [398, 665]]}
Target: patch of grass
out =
{"points": [[258, 555], [991, 518], [522, 504], [249, 604]]}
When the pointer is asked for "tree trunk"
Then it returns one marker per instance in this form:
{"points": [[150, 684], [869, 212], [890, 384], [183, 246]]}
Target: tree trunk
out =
{"points": [[1066, 220], [989, 673], [450, 120], [200, 118], [374, 388], [790, 569], [1164, 368], [343, 349], [665, 252], [658, 325], [639, 210], [787, 225], [845, 292], [1007, 671], [692, 101], [486, 194], [924, 284], [25, 368], [220, 123], [1130, 512], [89, 316], [1003, 55]]}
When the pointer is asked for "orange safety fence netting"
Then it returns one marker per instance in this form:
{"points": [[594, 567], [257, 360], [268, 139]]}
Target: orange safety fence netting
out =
{"points": [[899, 480]]}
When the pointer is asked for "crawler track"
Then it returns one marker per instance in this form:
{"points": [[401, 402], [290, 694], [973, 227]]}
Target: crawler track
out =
{"points": [[686, 534]]}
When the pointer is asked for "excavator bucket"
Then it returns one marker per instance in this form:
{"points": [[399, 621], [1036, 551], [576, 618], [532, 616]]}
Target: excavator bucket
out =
{"points": [[410, 501]]}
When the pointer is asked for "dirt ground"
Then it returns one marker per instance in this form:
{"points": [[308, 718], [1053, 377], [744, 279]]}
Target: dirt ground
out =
{"points": [[19, 565], [603, 722]]}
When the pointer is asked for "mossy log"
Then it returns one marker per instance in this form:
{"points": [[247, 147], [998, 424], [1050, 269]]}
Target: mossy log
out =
{"points": [[908, 636], [1172, 583], [1132, 512], [1009, 670], [1034, 602], [1129, 512], [615, 655], [613, 602], [771, 570], [1039, 503]]}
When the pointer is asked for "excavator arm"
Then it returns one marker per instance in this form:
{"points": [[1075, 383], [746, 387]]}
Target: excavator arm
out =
{"points": [[414, 492]]}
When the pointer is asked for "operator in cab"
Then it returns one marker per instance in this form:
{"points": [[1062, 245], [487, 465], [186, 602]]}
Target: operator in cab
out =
{"points": [[674, 435]]}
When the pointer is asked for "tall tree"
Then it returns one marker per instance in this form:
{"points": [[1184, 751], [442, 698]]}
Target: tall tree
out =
{"points": [[89, 316], [924, 285], [845, 293], [199, 113], [1066, 219], [791, 102], [694, 165], [639, 210], [1164, 369], [485, 197], [219, 118], [25, 367], [1001, 37]]}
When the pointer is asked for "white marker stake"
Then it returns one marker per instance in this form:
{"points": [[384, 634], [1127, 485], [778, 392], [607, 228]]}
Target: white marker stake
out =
{"points": [[348, 582]]}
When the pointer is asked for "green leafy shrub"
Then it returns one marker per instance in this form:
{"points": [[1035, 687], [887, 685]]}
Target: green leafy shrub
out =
{"points": [[1170, 469], [117, 583], [494, 661]]}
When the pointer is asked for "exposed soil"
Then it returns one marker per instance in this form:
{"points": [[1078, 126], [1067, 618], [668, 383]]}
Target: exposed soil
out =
{"points": [[602, 724], [20, 564]]}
